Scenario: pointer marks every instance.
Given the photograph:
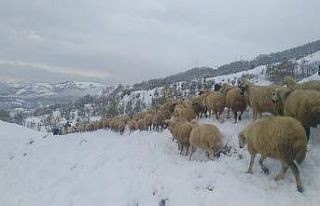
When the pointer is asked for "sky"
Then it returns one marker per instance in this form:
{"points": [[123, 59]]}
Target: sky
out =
{"points": [[117, 41]]}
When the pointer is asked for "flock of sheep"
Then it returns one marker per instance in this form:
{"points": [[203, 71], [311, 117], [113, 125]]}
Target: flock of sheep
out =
{"points": [[283, 136]]}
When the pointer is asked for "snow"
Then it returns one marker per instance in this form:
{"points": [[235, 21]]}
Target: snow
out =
{"points": [[257, 71], [141, 168], [312, 77]]}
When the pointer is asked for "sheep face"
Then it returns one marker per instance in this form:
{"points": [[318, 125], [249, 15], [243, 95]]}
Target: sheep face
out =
{"points": [[243, 87], [242, 140], [166, 124], [275, 96], [279, 94]]}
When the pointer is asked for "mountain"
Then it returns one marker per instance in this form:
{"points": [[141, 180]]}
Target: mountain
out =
{"points": [[233, 67], [36, 94]]}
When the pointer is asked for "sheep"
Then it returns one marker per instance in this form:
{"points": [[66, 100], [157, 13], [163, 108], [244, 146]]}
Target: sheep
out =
{"points": [[207, 137], [168, 106], [225, 88], [260, 98], [292, 84], [304, 105], [105, 123], [90, 127], [215, 103], [282, 138], [121, 126], [182, 133], [198, 107], [148, 120], [141, 125], [81, 127], [236, 102], [158, 119], [184, 112], [180, 130], [132, 125]]}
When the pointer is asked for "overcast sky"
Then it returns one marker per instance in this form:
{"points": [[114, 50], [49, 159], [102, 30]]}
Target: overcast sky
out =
{"points": [[134, 40]]}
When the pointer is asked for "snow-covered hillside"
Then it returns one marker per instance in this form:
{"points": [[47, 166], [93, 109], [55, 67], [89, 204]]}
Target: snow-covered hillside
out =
{"points": [[141, 168], [29, 90]]}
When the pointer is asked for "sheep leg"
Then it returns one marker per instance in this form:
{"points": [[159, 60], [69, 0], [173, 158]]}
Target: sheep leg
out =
{"points": [[181, 149], [193, 149], [254, 114], [295, 171], [307, 130], [228, 113], [288, 158], [187, 150], [235, 117], [211, 154], [216, 114], [282, 172], [264, 169], [251, 163], [240, 115]]}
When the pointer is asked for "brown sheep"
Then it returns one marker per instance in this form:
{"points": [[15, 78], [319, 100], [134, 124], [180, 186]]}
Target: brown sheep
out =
{"points": [[282, 138], [215, 103], [180, 130], [182, 135], [225, 88], [169, 106], [132, 125], [148, 120], [198, 107], [158, 120], [292, 84], [141, 125], [90, 127], [236, 102], [207, 137], [105, 123], [184, 112], [121, 126], [304, 105], [260, 98]]}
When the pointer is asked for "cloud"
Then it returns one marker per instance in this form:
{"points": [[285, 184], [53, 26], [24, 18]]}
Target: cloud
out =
{"points": [[26, 72], [130, 41]]}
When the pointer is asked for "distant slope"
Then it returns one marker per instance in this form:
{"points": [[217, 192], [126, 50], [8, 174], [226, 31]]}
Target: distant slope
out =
{"points": [[28, 95], [233, 67]]}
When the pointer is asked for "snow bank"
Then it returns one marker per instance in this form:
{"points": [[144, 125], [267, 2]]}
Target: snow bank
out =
{"points": [[141, 168]]}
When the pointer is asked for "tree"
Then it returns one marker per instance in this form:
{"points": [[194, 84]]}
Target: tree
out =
{"points": [[4, 115]]}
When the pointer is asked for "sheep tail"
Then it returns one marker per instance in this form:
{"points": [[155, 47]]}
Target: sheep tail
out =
{"points": [[301, 155], [290, 155]]}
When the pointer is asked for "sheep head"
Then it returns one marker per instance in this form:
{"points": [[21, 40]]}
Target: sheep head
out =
{"points": [[243, 87], [280, 94]]}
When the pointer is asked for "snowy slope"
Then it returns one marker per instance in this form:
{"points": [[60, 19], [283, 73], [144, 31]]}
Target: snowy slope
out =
{"points": [[142, 168], [28, 90]]}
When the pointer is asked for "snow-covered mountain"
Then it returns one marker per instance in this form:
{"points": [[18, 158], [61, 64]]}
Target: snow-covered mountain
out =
{"points": [[31, 90], [32, 95]]}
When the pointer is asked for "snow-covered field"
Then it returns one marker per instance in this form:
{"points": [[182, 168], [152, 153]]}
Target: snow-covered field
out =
{"points": [[141, 168]]}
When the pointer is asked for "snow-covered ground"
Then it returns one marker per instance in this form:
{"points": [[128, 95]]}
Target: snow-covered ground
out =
{"points": [[141, 168]]}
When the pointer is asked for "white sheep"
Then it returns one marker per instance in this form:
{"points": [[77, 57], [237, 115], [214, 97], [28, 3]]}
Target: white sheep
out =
{"points": [[282, 138], [304, 105], [207, 137], [260, 98]]}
